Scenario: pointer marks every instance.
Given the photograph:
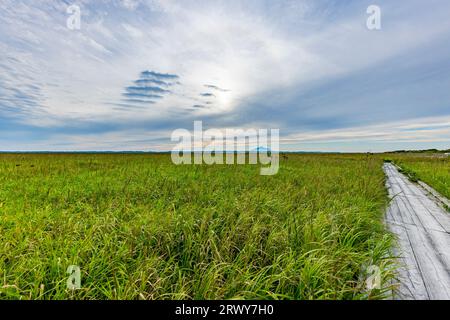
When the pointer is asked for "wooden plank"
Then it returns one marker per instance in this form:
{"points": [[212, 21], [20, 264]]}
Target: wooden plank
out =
{"points": [[422, 230], [412, 286]]}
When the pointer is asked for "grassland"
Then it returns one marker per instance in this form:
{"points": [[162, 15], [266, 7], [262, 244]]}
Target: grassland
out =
{"points": [[140, 227], [433, 169]]}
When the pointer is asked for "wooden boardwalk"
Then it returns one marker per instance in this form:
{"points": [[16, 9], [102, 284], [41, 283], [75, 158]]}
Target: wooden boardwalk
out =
{"points": [[422, 227]]}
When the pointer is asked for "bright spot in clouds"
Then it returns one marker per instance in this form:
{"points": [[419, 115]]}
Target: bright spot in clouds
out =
{"points": [[136, 70]]}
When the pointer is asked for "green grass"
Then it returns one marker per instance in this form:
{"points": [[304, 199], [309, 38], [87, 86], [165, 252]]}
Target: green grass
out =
{"points": [[140, 227], [433, 169]]}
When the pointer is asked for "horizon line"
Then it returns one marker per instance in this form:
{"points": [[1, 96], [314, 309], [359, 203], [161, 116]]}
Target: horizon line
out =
{"points": [[252, 151]]}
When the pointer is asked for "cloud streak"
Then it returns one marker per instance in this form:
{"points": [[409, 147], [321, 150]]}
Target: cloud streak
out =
{"points": [[308, 68], [148, 89]]}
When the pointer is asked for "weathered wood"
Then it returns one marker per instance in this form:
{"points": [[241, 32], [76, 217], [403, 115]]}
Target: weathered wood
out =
{"points": [[435, 194], [422, 228]]}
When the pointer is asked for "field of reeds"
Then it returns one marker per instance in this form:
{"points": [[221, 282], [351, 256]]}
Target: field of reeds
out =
{"points": [[140, 227], [431, 168]]}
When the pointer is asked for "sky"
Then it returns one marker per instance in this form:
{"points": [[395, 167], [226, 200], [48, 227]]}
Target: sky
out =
{"points": [[135, 71]]}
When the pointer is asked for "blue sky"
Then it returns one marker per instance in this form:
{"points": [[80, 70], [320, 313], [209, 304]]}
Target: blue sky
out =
{"points": [[137, 70]]}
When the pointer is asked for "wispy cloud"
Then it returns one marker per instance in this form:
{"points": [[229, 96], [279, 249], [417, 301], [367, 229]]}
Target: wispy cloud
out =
{"points": [[207, 94], [308, 68], [148, 89], [210, 86]]}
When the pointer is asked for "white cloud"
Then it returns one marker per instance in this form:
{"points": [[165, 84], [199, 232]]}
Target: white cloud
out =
{"points": [[252, 49], [130, 4], [134, 32]]}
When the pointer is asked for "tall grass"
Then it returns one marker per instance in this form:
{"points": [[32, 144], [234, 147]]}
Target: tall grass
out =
{"points": [[140, 227], [433, 169]]}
